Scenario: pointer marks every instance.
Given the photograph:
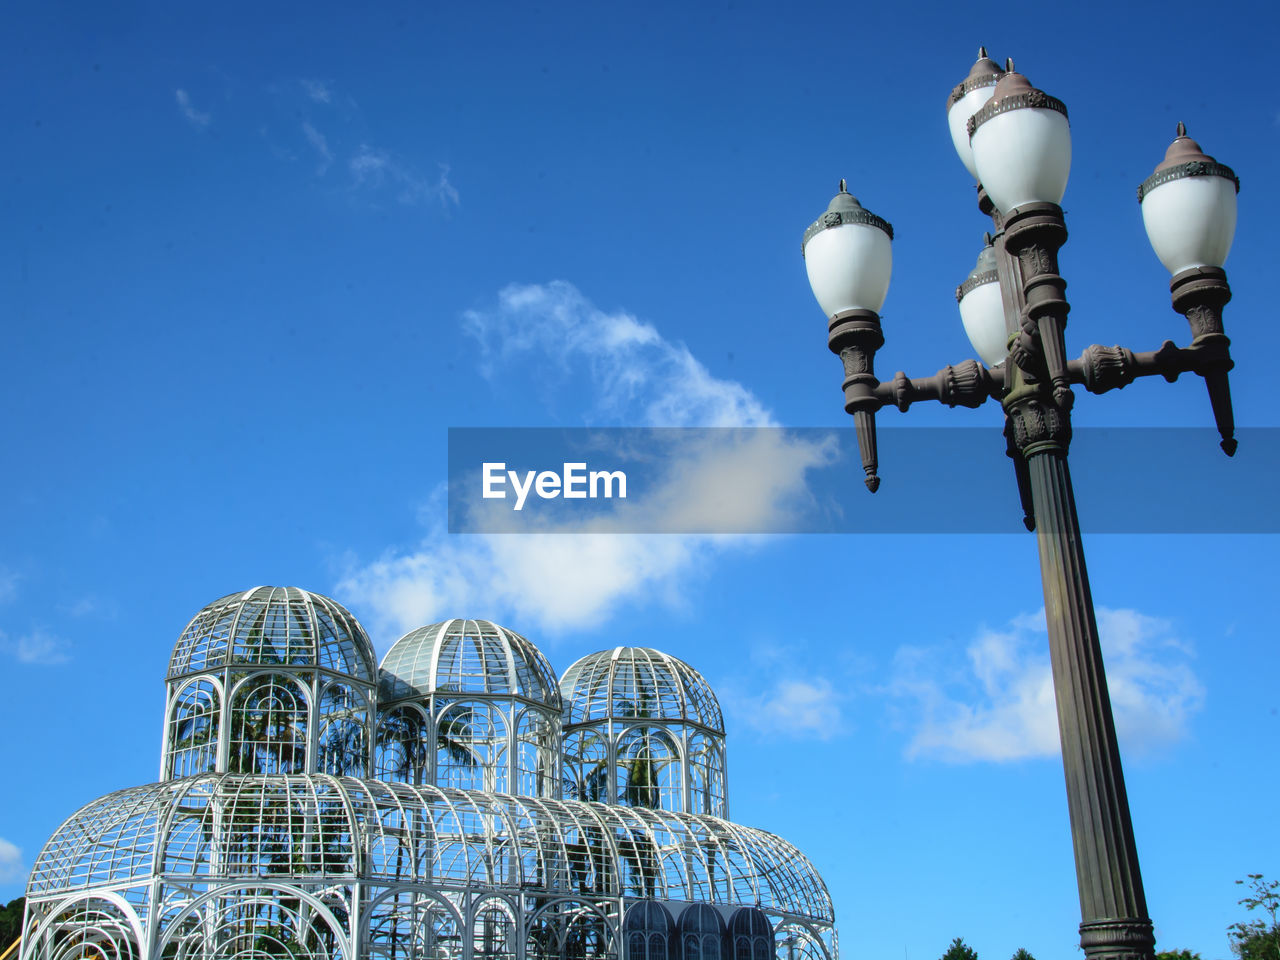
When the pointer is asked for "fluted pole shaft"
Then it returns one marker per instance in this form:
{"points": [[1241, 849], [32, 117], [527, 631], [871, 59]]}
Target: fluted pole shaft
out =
{"points": [[1113, 907]]}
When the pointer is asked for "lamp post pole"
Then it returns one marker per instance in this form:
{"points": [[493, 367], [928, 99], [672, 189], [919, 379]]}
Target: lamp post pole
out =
{"points": [[1016, 142], [1113, 907]]}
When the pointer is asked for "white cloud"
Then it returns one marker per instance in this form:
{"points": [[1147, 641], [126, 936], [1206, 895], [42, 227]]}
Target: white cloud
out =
{"points": [[331, 124], [38, 647], [634, 371], [89, 605], [792, 708], [546, 581], [320, 145], [558, 580], [999, 706], [561, 580], [778, 697], [11, 866], [443, 189], [195, 117], [369, 164], [317, 90], [376, 169]]}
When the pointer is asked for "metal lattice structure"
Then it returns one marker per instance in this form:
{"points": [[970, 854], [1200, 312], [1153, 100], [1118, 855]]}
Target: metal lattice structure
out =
{"points": [[643, 729], [248, 848], [272, 680], [469, 704]]}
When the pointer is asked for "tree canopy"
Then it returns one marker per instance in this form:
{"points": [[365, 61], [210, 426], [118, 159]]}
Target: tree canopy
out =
{"points": [[11, 922], [1258, 938], [959, 950]]}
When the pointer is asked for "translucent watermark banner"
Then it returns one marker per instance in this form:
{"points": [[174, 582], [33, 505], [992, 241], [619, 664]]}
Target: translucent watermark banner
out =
{"points": [[810, 480]]}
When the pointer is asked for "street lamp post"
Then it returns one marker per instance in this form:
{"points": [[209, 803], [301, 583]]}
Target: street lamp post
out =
{"points": [[1015, 140]]}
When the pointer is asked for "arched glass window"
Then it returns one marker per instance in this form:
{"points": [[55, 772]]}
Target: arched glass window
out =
{"points": [[471, 747], [706, 776], [701, 933], [268, 726], [94, 929], [586, 762], [409, 925], [193, 730], [405, 750], [343, 742], [590, 863], [751, 935], [797, 942], [649, 932], [649, 770], [494, 932], [535, 753], [255, 922], [639, 860], [568, 930]]}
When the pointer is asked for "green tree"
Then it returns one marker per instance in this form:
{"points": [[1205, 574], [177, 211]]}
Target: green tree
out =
{"points": [[1177, 955], [11, 922], [959, 950], [402, 747], [1258, 939], [1022, 954], [641, 789]]}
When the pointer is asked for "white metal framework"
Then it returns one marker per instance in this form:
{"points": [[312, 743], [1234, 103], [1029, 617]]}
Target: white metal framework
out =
{"points": [[643, 729], [249, 848], [470, 704], [272, 680]]}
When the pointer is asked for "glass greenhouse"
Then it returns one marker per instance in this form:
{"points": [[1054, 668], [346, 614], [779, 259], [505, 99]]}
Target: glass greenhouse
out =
{"points": [[456, 802]]}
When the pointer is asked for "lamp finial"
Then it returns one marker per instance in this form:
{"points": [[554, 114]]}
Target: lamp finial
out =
{"points": [[1182, 129], [843, 187]]}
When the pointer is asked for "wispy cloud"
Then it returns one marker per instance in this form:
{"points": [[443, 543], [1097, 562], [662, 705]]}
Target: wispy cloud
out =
{"points": [[999, 704], [8, 585], [38, 647], [539, 581], [314, 117], [316, 90], [778, 697], [635, 373], [320, 145], [11, 866], [792, 708], [375, 169], [89, 605], [560, 581], [196, 118]]}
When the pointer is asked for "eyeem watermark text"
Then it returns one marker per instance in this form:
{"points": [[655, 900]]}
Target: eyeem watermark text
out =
{"points": [[574, 482]]}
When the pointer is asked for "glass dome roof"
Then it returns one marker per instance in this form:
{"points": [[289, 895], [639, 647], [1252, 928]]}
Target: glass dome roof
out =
{"points": [[279, 626], [628, 683], [468, 656], [209, 828]]}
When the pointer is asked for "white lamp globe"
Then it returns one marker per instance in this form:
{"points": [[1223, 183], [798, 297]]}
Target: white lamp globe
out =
{"points": [[966, 99], [982, 310], [1189, 207], [848, 256], [1021, 143]]}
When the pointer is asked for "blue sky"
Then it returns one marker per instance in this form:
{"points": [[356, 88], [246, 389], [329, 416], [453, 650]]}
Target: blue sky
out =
{"points": [[256, 264]]}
